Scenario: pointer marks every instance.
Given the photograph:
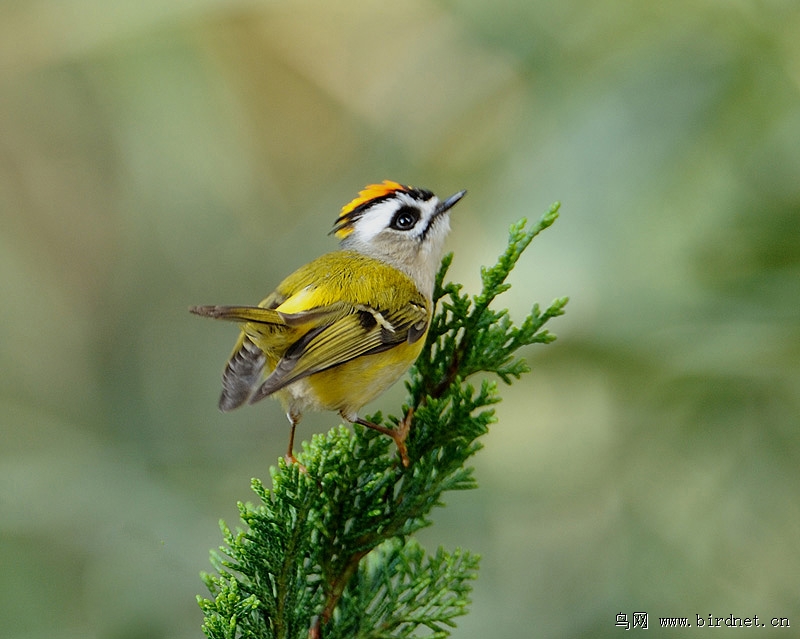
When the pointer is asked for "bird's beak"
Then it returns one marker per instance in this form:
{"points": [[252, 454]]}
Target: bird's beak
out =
{"points": [[450, 202]]}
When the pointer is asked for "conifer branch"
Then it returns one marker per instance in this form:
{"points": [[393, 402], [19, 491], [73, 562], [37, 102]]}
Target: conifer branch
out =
{"points": [[327, 551]]}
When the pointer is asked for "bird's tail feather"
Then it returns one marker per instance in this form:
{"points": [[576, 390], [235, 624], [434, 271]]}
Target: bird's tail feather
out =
{"points": [[242, 375]]}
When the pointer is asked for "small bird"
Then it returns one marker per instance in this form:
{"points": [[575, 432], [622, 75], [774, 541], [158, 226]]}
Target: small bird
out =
{"points": [[340, 330]]}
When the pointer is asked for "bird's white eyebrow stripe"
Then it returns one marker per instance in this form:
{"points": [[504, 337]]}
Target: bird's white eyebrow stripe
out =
{"points": [[375, 220], [378, 218]]}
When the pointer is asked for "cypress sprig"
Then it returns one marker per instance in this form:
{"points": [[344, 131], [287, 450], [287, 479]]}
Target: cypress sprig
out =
{"points": [[326, 552]]}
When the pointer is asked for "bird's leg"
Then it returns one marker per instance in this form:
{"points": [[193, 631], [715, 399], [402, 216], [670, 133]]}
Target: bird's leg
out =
{"points": [[294, 419], [398, 435]]}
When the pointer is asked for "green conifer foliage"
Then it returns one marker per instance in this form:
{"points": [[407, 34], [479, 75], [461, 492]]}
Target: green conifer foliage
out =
{"points": [[328, 551]]}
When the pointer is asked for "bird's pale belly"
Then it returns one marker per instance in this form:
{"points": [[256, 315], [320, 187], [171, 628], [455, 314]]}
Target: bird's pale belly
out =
{"points": [[348, 387]]}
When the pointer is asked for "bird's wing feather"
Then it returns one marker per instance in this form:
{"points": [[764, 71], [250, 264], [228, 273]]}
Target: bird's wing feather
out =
{"points": [[273, 317], [254, 314], [363, 331], [323, 315]]}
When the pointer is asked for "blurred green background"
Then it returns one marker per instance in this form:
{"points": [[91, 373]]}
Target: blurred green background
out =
{"points": [[155, 155]]}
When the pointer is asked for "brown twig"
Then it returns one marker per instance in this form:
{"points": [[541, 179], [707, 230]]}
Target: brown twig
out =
{"points": [[335, 594]]}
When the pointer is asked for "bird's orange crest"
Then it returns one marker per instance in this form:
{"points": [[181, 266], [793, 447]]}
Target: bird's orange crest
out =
{"points": [[351, 211]]}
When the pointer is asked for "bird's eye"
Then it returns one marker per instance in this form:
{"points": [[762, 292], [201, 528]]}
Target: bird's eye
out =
{"points": [[405, 219]]}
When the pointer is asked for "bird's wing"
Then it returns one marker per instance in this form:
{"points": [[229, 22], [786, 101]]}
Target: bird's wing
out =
{"points": [[327, 313], [260, 316], [361, 331], [240, 314]]}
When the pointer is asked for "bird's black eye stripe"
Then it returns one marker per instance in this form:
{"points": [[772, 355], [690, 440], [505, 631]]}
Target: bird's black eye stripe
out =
{"points": [[405, 218]]}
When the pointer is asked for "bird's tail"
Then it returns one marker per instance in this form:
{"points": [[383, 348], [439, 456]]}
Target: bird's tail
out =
{"points": [[242, 375]]}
